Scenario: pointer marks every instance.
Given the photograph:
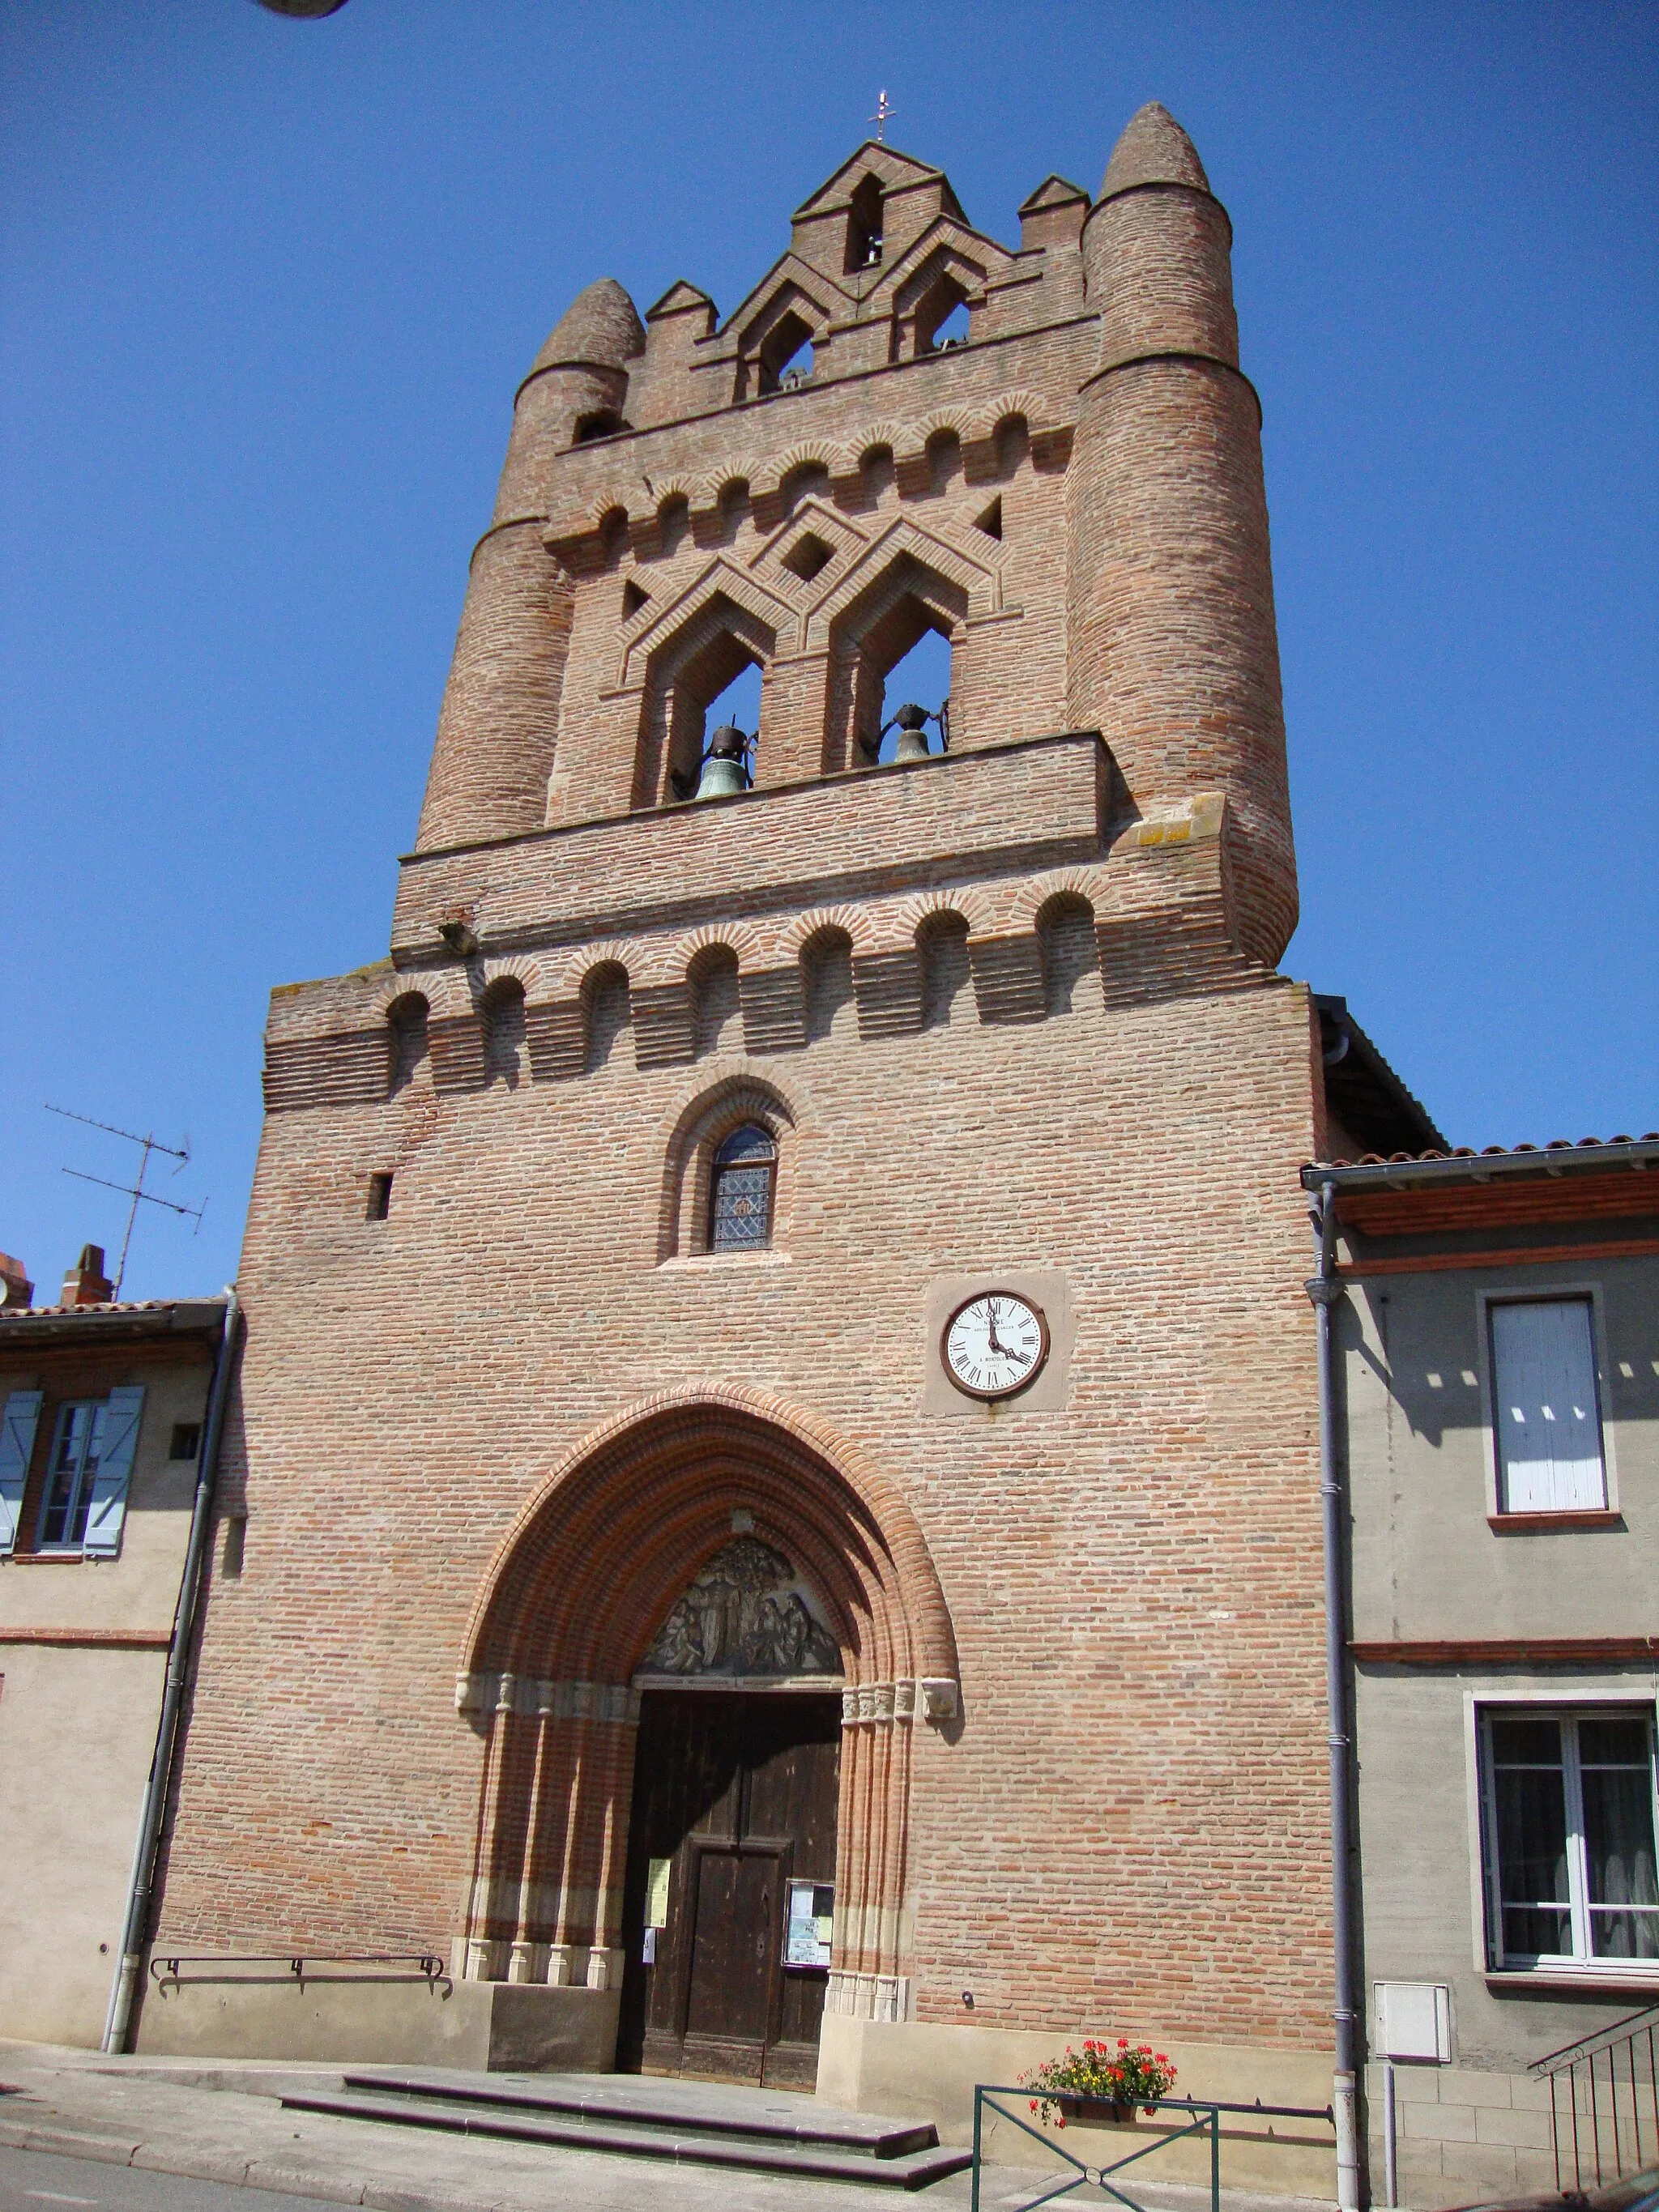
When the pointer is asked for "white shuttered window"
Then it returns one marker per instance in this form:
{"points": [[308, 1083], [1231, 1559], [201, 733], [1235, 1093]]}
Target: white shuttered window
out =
{"points": [[1544, 1401]]}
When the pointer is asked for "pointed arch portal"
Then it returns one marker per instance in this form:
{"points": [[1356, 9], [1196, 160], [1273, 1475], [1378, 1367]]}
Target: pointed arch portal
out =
{"points": [[717, 1594]]}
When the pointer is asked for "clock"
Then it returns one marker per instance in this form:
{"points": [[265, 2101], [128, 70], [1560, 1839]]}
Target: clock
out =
{"points": [[994, 1344]]}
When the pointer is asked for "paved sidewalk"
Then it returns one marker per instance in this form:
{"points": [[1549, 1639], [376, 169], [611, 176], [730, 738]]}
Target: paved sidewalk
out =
{"points": [[222, 2122]]}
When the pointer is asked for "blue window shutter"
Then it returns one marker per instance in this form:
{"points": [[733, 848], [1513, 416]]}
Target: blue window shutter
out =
{"points": [[16, 1445], [118, 1440]]}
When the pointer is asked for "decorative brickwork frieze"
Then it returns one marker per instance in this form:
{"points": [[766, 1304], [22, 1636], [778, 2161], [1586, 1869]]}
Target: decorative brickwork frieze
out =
{"points": [[455, 1043], [888, 988], [663, 1035], [348, 1068], [773, 1009], [1007, 978], [556, 1039]]}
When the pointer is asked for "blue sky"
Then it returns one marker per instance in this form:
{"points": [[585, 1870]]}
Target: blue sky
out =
{"points": [[267, 288]]}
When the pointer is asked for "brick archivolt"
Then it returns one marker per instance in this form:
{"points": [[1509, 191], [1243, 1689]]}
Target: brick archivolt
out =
{"points": [[801, 615], [764, 469], [1162, 924], [579, 1587]]}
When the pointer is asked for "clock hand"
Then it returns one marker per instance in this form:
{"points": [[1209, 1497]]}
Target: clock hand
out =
{"points": [[991, 1314]]}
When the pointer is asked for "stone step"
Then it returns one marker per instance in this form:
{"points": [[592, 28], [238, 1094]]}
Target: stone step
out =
{"points": [[662, 2102], [834, 2149]]}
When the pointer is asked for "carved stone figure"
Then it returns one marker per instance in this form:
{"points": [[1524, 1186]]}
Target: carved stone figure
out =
{"points": [[743, 1615]]}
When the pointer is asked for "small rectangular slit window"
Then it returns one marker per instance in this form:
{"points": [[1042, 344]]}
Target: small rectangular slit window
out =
{"points": [[235, 1544], [186, 1440], [379, 1198]]}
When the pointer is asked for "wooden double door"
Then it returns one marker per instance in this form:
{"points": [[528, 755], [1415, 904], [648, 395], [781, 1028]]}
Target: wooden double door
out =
{"points": [[730, 1868]]}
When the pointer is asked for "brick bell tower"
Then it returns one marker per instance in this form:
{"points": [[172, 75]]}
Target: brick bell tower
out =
{"points": [[783, 1527]]}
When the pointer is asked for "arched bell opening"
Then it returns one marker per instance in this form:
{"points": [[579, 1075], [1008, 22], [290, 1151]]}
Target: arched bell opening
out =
{"points": [[720, 1574], [685, 679], [785, 358], [911, 606]]}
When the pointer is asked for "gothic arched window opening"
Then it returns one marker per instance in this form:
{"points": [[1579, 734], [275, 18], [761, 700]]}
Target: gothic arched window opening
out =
{"points": [[740, 1190], [710, 677]]}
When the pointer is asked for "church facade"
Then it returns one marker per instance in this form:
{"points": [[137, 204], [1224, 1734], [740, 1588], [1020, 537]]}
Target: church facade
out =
{"points": [[779, 1457]]}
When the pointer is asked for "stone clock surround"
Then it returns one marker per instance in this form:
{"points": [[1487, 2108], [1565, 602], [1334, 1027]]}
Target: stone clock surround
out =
{"points": [[1044, 1287]]}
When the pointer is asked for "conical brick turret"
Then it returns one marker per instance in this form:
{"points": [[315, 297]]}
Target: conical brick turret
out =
{"points": [[500, 716], [1172, 648]]}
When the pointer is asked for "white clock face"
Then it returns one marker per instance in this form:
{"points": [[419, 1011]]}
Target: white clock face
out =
{"points": [[994, 1344]]}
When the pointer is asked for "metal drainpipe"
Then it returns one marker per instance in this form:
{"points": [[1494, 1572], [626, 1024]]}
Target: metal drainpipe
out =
{"points": [[136, 1927], [1324, 1291]]}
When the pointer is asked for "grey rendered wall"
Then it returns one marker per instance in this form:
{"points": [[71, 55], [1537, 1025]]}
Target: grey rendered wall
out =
{"points": [[1425, 1566]]}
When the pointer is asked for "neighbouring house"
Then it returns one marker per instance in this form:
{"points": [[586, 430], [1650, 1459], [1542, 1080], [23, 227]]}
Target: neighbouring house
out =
{"points": [[103, 1411], [1498, 1384]]}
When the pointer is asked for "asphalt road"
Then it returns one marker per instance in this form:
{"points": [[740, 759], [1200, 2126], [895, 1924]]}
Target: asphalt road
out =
{"points": [[35, 2181]]}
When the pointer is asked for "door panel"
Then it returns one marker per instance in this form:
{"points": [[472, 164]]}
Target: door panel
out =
{"points": [[733, 1794]]}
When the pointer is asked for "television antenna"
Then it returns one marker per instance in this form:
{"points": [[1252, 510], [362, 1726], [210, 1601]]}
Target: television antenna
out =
{"points": [[135, 1190]]}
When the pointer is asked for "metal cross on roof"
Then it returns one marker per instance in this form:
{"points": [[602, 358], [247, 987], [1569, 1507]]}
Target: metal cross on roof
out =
{"points": [[882, 117]]}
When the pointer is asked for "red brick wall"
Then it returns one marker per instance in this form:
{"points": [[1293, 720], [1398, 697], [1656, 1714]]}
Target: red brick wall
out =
{"points": [[1129, 1815]]}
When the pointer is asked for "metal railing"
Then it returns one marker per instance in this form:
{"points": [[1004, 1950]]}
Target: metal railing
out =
{"points": [[296, 1967], [1204, 2122], [1607, 2124]]}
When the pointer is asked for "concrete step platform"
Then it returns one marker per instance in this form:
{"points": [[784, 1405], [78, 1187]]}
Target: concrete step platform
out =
{"points": [[696, 2123]]}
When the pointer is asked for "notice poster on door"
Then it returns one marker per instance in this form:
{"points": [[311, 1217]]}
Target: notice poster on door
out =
{"points": [[811, 1920], [656, 1893]]}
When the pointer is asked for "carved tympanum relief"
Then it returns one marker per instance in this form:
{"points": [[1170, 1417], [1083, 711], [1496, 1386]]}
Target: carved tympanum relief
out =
{"points": [[746, 1613]]}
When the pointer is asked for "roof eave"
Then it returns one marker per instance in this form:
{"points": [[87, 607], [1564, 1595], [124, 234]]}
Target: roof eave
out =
{"points": [[1552, 1160], [174, 1317]]}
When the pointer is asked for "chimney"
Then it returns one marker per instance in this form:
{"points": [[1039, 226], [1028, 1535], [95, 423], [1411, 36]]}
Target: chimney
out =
{"points": [[86, 1283], [15, 1288]]}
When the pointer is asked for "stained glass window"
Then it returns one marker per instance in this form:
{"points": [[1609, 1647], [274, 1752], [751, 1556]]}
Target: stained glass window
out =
{"points": [[740, 1201]]}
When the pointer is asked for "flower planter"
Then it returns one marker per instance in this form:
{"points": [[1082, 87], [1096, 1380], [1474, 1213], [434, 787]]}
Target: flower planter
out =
{"points": [[1096, 2109]]}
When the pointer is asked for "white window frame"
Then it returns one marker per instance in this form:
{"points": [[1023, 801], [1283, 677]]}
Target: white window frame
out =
{"points": [[80, 1498], [1544, 1294], [1582, 1965]]}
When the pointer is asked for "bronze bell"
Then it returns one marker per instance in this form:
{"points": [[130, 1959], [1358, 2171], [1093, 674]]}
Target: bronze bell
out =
{"points": [[726, 765], [911, 743]]}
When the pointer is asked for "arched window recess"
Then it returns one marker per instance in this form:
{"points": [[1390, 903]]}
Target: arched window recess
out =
{"points": [[741, 1188]]}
